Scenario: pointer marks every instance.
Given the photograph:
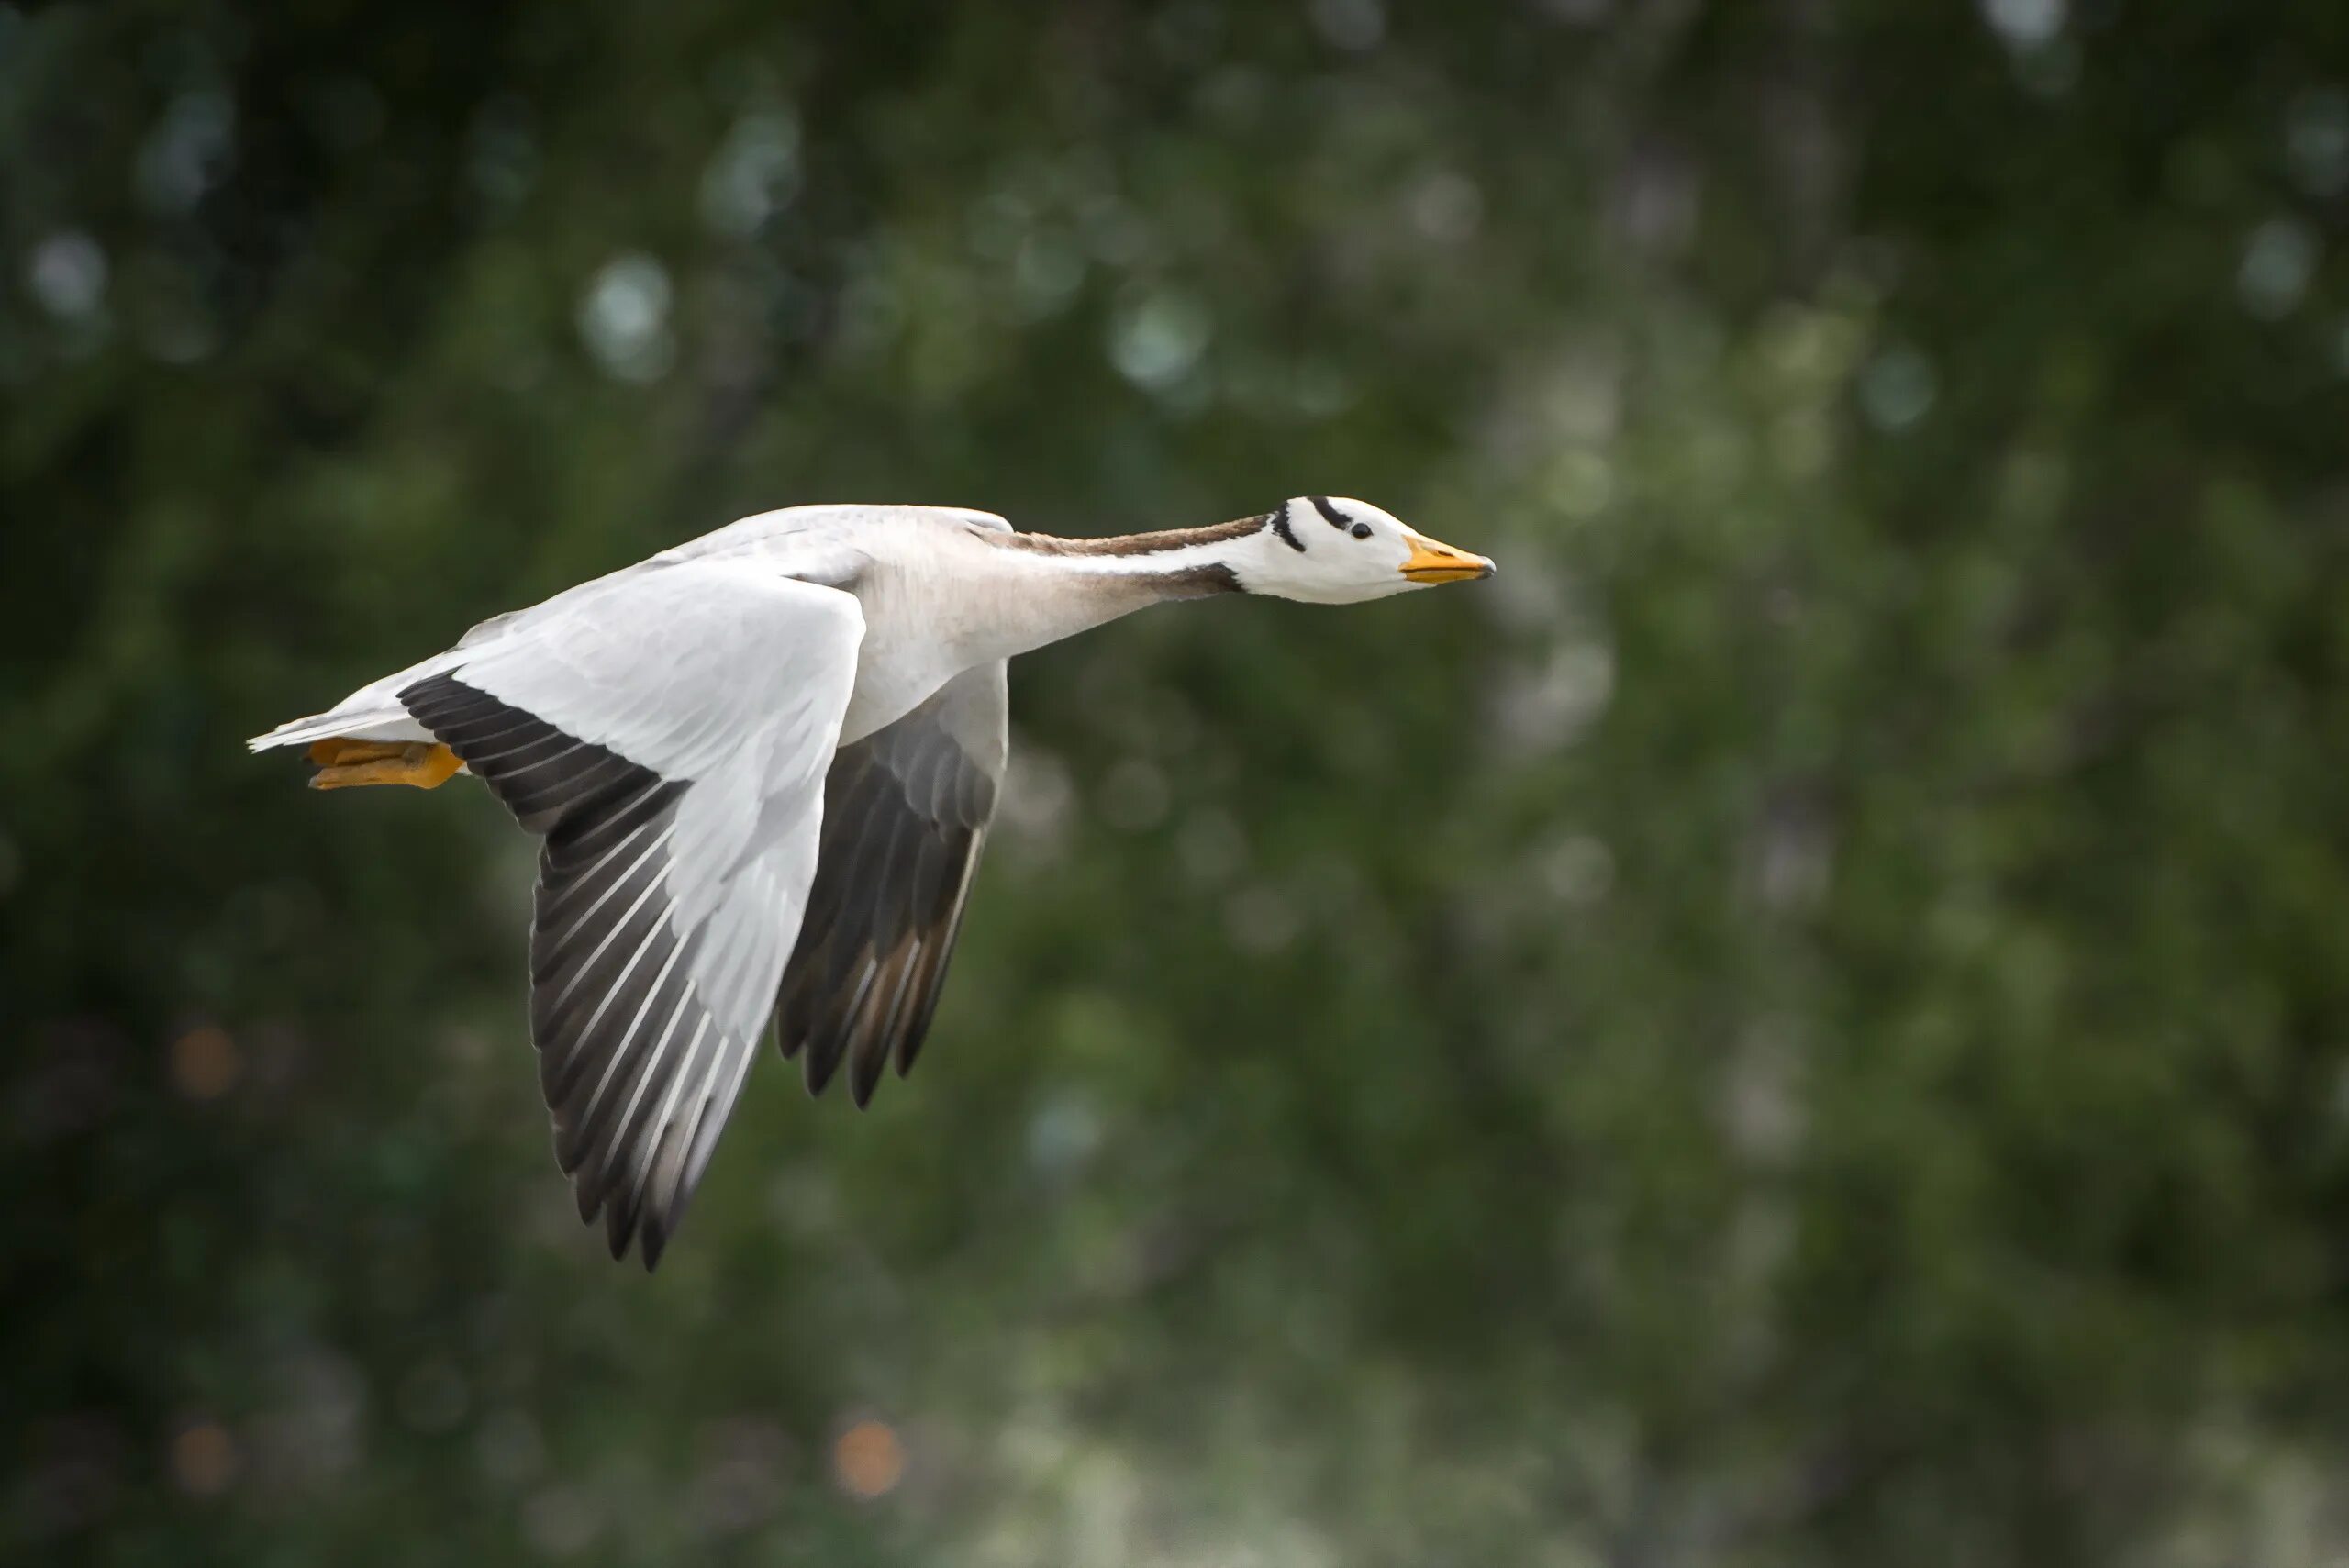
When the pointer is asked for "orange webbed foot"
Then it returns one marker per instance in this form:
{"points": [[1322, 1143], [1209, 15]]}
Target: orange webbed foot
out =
{"points": [[347, 764]]}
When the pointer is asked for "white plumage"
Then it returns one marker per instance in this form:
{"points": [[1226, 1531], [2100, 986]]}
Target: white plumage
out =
{"points": [[762, 764]]}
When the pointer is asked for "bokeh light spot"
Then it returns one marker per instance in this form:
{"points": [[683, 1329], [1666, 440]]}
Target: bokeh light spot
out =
{"points": [[2025, 24], [1157, 340], [1351, 24], [203, 1459], [1578, 870], [1897, 388], [1447, 207], [2317, 138], [2278, 261], [68, 274], [754, 174], [205, 1062], [188, 152], [624, 316], [868, 1459]]}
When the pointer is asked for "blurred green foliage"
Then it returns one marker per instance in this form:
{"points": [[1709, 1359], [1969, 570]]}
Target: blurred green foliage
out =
{"points": [[1804, 1023]]}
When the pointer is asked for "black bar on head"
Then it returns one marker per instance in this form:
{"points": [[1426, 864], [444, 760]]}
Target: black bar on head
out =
{"points": [[1335, 519], [1278, 518]]}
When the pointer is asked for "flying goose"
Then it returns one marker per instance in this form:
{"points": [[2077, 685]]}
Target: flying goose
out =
{"points": [[763, 765]]}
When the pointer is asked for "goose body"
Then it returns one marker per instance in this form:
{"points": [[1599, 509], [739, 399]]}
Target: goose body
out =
{"points": [[761, 765]]}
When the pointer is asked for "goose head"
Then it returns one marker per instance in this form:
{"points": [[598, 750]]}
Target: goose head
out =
{"points": [[1330, 549]]}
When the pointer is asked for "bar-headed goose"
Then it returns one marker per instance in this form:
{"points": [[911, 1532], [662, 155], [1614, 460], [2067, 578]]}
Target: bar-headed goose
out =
{"points": [[763, 765]]}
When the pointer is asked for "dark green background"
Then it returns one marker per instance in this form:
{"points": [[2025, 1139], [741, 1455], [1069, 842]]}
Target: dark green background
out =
{"points": [[1807, 1022]]}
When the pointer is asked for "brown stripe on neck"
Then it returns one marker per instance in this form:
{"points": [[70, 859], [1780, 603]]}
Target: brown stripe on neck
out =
{"points": [[1199, 581], [1134, 544]]}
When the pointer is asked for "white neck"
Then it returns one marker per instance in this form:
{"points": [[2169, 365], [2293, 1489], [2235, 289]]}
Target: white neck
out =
{"points": [[1048, 588]]}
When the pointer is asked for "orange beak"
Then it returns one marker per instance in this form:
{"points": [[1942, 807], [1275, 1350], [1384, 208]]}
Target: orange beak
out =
{"points": [[1433, 563]]}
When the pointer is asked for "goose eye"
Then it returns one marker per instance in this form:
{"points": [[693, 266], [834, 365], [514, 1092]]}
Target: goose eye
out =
{"points": [[1361, 530]]}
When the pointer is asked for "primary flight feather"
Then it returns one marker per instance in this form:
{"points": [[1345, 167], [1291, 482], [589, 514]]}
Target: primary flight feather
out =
{"points": [[763, 765]]}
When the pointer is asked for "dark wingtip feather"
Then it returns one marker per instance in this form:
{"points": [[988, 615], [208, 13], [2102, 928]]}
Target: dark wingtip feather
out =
{"points": [[864, 1076], [604, 1010], [905, 818], [818, 1067]]}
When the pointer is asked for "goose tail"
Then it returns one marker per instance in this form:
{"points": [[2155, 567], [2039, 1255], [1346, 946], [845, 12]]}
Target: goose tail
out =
{"points": [[393, 723]]}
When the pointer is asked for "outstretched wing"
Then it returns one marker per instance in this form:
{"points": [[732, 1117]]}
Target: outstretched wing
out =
{"points": [[906, 813], [668, 736]]}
